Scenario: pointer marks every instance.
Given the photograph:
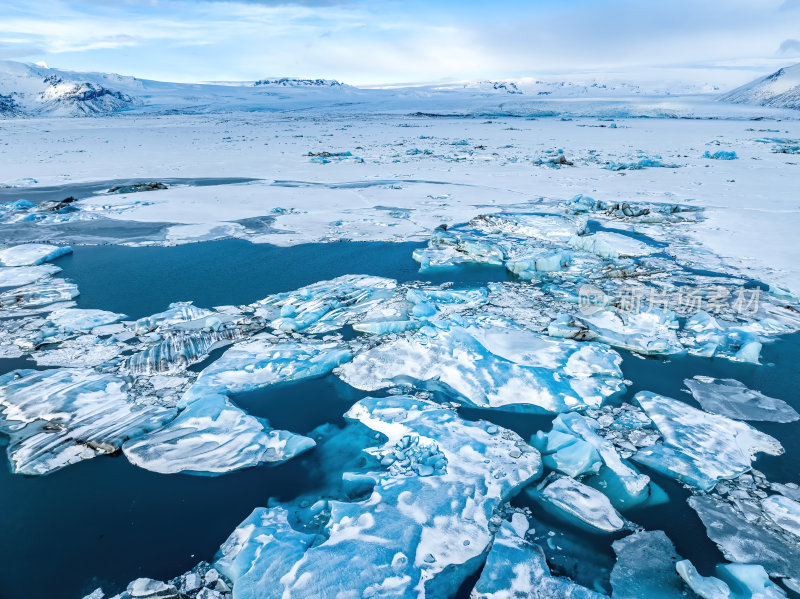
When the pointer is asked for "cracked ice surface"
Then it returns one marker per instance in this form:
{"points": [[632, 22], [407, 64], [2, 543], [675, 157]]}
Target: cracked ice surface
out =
{"points": [[416, 535], [493, 368], [700, 448], [58, 417]]}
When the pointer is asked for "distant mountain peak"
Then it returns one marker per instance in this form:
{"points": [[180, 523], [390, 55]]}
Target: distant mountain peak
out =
{"points": [[295, 82], [780, 89]]}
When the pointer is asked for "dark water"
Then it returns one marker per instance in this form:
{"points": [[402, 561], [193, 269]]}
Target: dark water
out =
{"points": [[108, 519], [139, 281]]}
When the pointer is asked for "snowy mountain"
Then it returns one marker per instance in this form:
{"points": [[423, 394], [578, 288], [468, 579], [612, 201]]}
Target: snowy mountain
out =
{"points": [[36, 90], [781, 89]]}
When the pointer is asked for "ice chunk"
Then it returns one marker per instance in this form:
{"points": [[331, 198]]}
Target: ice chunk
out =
{"points": [[543, 260], [80, 319], [748, 543], [621, 483], [730, 398], [646, 567], [212, 436], [449, 248], [177, 312], [543, 227], [493, 368], [699, 448], [516, 567], [265, 361], [179, 349], [58, 417], [327, 305], [23, 275], [611, 245], [260, 552], [649, 333], [582, 505], [784, 512], [31, 254], [749, 580], [706, 587], [418, 533], [567, 453]]}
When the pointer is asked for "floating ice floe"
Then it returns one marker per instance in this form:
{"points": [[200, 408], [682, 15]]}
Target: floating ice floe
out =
{"points": [[181, 348], [39, 294], [581, 505], [261, 551], [31, 254], [58, 417], [645, 567], [81, 319], [699, 448], [177, 312], [732, 399], [516, 567], [576, 448], [750, 542], [419, 534], [212, 436], [649, 332], [14, 276], [784, 512], [707, 587], [264, 361], [506, 368]]}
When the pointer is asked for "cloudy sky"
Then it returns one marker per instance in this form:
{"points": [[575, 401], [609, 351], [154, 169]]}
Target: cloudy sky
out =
{"points": [[389, 41]]}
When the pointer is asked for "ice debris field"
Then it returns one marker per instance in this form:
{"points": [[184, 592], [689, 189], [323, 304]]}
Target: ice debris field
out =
{"points": [[486, 355]]}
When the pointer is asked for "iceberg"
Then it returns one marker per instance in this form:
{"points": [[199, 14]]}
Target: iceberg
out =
{"points": [[582, 505], [732, 399], [264, 361], [699, 448], [516, 567], [749, 580], [503, 368], [31, 254], [212, 436], [420, 533], [58, 417], [611, 245]]}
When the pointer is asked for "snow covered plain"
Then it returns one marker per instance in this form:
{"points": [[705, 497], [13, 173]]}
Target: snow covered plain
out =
{"points": [[581, 209]]}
